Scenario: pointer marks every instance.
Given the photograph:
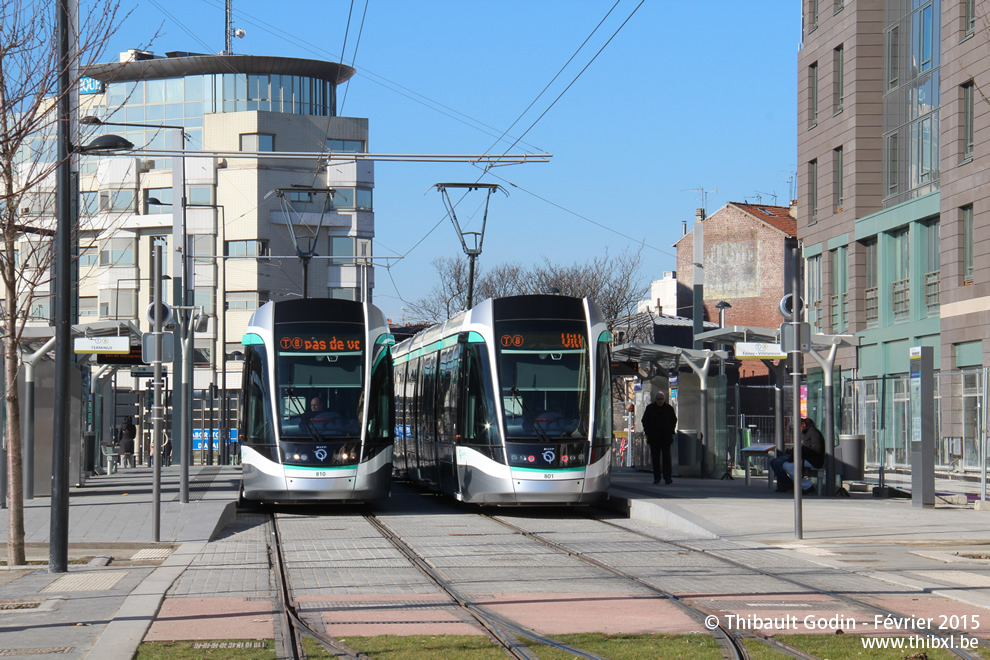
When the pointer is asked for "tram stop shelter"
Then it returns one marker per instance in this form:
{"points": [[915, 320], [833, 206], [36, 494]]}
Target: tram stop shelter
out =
{"points": [[36, 385], [697, 448], [823, 350]]}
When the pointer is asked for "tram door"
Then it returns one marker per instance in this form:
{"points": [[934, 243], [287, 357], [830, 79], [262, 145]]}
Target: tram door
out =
{"points": [[426, 438], [448, 385]]}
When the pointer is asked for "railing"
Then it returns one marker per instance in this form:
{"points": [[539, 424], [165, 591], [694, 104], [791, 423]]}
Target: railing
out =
{"points": [[901, 299], [872, 307], [932, 292]]}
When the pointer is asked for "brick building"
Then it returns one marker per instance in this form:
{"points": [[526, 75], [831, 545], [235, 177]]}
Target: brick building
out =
{"points": [[745, 264]]}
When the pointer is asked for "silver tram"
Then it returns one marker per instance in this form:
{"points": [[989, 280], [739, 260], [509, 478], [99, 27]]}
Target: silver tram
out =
{"points": [[317, 414], [508, 403]]}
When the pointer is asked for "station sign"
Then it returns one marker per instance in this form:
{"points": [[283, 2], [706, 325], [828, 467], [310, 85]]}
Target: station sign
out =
{"points": [[102, 345], [759, 350]]}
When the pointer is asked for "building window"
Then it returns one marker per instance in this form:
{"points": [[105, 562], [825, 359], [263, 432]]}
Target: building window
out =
{"points": [[203, 298], [924, 45], [350, 198], [839, 302], [40, 309], [118, 303], [969, 18], [812, 192], [89, 307], [838, 78], [157, 201], [839, 5], [89, 203], [163, 241], [339, 293], [812, 15], [245, 300], [89, 255], [813, 277], [813, 95], [891, 174], [892, 57], [967, 123], [257, 142], [967, 227], [117, 200], [351, 146], [342, 248], [925, 147], [201, 246], [117, 252], [837, 178], [200, 195], [932, 267], [901, 269], [871, 291], [245, 249]]}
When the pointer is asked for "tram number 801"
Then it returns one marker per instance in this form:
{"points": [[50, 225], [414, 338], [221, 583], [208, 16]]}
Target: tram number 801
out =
{"points": [[548, 475]]}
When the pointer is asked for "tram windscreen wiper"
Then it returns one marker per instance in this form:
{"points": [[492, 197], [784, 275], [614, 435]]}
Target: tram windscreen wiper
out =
{"points": [[529, 414], [313, 433]]}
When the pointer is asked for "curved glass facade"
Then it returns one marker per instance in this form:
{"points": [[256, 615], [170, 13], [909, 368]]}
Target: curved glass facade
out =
{"points": [[184, 101]]}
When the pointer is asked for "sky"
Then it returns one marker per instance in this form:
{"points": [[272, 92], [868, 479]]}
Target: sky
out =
{"points": [[650, 110]]}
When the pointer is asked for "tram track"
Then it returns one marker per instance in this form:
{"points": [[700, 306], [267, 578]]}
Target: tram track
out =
{"points": [[732, 636], [291, 625]]}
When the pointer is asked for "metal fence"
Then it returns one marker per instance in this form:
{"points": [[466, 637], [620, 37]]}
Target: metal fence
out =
{"points": [[880, 409]]}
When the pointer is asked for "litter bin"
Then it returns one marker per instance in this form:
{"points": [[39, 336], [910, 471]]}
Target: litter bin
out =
{"points": [[688, 456], [851, 457]]}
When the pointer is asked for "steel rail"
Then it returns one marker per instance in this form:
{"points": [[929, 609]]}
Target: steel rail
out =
{"points": [[491, 622], [824, 592], [729, 640], [293, 625]]}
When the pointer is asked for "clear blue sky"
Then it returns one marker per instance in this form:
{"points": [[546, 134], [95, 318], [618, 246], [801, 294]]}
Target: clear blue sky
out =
{"points": [[685, 96]]}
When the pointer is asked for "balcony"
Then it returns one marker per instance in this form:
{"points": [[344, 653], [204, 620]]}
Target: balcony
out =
{"points": [[932, 293], [900, 299], [872, 307]]}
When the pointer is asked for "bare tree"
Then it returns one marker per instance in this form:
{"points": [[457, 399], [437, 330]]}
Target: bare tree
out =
{"points": [[29, 99], [612, 282], [449, 295]]}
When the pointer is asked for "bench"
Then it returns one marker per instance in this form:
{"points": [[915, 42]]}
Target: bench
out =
{"points": [[111, 453], [817, 475], [758, 450]]}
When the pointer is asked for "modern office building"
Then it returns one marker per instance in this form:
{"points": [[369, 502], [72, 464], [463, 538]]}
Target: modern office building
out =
{"points": [[246, 219], [893, 210]]}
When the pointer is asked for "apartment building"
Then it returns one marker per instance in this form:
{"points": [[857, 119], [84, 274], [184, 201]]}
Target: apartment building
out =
{"points": [[893, 207]]}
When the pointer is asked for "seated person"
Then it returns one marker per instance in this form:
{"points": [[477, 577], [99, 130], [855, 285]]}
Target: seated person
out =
{"points": [[318, 414], [812, 455]]}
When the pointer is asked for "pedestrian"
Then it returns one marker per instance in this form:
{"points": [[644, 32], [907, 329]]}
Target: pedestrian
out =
{"points": [[659, 422], [167, 452], [126, 432], [812, 455]]}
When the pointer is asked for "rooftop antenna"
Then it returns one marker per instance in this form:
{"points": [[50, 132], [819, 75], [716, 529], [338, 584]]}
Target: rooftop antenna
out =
{"points": [[228, 48], [704, 196], [770, 194], [478, 238]]}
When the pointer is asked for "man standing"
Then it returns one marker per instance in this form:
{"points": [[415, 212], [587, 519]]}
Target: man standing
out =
{"points": [[659, 422], [126, 432]]}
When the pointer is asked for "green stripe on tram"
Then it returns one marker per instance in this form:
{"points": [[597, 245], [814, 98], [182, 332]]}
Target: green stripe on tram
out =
{"points": [[542, 470], [606, 336], [320, 469], [251, 339]]}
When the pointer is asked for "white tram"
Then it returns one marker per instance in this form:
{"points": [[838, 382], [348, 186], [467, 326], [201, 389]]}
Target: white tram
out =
{"points": [[317, 412], [508, 403]]}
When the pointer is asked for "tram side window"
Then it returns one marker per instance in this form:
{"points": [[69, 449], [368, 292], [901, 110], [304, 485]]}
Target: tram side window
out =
{"points": [[381, 417], [257, 427], [603, 412], [478, 405], [448, 384], [412, 400], [427, 414]]}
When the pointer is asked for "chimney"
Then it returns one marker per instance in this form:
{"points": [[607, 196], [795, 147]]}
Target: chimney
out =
{"points": [[683, 227], [700, 215]]}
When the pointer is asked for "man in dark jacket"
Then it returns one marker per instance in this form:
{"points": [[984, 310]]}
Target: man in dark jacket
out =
{"points": [[659, 422], [812, 454], [126, 432]]}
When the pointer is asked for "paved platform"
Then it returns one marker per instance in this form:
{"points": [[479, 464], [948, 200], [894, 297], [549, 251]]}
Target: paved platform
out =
{"points": [[105, 606]]}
